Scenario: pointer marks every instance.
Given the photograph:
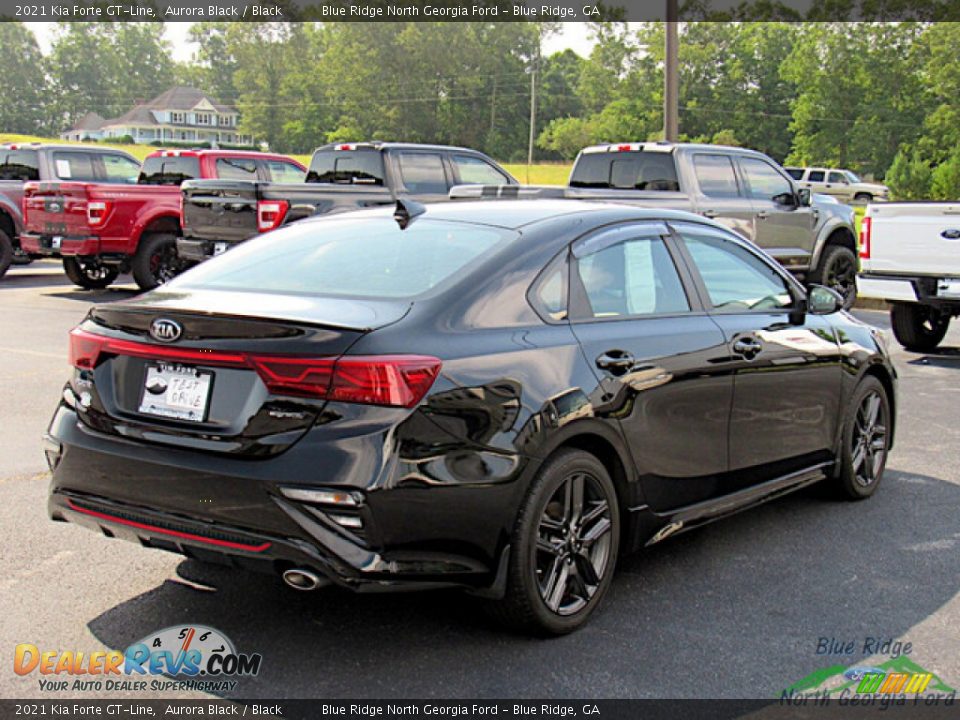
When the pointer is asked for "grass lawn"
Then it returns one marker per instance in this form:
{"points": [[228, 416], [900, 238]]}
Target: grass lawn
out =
{"points": [[547, 174]]}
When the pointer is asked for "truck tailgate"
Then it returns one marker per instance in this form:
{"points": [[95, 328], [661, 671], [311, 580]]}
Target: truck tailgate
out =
{"points": [[56, 208], [921, 238], [219, 210]]}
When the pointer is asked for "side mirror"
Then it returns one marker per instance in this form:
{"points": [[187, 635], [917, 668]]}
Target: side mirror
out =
{"points": [[805, 197], [823, 300], [785, 199]]}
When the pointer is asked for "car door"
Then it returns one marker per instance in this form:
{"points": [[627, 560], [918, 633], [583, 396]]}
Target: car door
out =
{"points": [[721, 196], [784, 227], [653, 351], [785, 364], [839, 186]]}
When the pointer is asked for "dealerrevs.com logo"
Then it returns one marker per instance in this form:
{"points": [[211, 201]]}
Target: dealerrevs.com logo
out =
{"points": [[183, 657]]}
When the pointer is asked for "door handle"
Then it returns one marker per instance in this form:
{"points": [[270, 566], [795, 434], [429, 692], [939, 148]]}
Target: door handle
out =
{"points": [[711, 214], [616, 362], [763, 215], [749, 348]]}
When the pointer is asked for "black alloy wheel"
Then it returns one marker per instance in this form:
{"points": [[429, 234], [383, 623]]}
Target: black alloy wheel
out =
{"points": [[89, 273], [866, 440], [839, 273]]}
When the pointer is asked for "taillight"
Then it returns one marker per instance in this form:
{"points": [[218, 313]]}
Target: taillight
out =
{"points": [[97, 213], [183, 224], [865, 232], [270, 214], [393, 380]]}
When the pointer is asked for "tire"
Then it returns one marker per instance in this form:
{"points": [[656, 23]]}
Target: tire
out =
{"points": [[863, 197], [838, 271], [918, 327], [6, 252], [545, 553], [89, 274], [156, 260], [866, 440]]}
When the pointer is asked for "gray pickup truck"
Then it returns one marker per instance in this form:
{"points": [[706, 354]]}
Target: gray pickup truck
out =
{"points": [[812, 236]]}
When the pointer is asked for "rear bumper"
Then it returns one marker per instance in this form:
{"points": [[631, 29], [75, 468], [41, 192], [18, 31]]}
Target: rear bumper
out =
{"points": [[125, 490], [57, 246], [905, 288], [194, 250]]}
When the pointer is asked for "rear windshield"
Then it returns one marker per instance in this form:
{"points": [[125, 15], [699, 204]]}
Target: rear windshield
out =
{"points": [[369, 258], [172, 170], [19, 165], [347, 167], [654, 171]]}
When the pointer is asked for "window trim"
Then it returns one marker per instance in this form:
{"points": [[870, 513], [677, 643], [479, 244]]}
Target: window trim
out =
{"points": [[796, 290], [579, 310]]}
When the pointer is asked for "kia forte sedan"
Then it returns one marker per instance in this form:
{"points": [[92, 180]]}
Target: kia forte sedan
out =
{"points": [[502, 396]]}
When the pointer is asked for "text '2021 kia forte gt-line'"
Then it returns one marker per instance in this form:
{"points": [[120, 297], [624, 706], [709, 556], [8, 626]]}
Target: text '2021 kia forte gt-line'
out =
{"points": [[502, 396]]}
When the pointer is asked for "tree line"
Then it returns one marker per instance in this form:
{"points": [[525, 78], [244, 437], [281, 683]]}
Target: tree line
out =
{"points": [[878, 98]]}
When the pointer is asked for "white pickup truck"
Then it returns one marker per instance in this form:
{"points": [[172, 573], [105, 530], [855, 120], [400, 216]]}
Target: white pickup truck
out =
{"points": [[910, 257]]}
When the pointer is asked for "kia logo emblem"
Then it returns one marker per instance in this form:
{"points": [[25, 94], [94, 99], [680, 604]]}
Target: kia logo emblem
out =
{"points": [[165, 330]]}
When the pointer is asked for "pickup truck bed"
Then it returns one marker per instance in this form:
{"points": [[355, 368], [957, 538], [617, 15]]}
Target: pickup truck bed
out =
{"points": [[910, 257]]}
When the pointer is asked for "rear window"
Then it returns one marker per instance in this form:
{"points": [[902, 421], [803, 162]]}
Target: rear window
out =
{"points": [[74, 166], [19, 165], [370, 258], [171, 170], [652, 171], [347, 167], [795, 173]]}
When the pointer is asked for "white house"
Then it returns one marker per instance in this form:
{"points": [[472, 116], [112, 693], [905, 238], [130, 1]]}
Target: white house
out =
{"points": [[181, 114]]}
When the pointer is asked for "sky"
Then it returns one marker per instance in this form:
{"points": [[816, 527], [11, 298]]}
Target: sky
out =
{"points": [[573, 35]]}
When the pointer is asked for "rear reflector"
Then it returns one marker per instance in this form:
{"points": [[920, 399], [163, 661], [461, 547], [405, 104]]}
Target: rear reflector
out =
{"points": [[393, 380], [865, 231], [270, 214]]}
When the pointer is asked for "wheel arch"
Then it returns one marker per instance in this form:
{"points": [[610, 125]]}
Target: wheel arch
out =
{"points": [[159, 224], [837, 235]]}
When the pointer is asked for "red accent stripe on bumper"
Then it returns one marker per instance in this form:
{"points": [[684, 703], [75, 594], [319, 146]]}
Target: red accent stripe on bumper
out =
{"points": [[164, 531]]}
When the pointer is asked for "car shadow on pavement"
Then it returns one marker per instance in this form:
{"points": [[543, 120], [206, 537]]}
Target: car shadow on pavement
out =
{"points": [[739, 606]]}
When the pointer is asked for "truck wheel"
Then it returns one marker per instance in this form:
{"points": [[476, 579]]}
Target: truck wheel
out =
{"points": [[564, 547], [863, 197], [838, 271], [88, 273], [6, 252], [156, 260], [918, 327]]}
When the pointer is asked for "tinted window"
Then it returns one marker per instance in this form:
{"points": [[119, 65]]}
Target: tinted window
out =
{"points": [[735, 278], [74, 166], [360, 167], [550, 294], [836, 177], [476, 171], [715, 175], [422, 173], [120, 169], [350, 258], [19, 165], [795, 173], [816, 176], [636, 277], [852, 177], [236, 168], [171, 170], [284, 172], [653, 171], [764, 180]]}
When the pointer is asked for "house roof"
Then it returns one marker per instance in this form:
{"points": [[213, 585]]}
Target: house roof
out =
{"points": [[90, 121], [180, 97]]}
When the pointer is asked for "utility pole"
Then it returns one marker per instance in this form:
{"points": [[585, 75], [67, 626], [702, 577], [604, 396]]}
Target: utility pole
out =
{"points": [[671, 81], [533, 104]]}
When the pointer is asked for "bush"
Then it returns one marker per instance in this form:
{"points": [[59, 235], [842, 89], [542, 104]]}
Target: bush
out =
{"points": [[121, 140], [945, 181], [565, 136], [910, 176]]}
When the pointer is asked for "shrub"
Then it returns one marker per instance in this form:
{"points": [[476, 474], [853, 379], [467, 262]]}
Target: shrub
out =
{"points": [[910, 176]]}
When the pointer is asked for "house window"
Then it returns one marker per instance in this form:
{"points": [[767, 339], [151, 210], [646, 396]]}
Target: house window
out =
{"points": [[178, 118], [203, 118]]}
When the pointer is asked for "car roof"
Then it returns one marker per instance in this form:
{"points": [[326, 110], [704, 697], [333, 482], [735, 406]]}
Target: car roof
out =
{"points": [[60, 146], [517, 214], [383, 145]]}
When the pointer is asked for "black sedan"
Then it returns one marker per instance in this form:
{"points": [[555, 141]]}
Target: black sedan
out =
{"points": [[501, 396]]}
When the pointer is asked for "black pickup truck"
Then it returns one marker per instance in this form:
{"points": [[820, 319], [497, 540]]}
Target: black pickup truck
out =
{"points": [[217, 214]]}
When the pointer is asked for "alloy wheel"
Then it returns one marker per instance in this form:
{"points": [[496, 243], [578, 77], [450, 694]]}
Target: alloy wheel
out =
{"points": [[573, 544], [165, 264], [869, 443], [841, 275]]}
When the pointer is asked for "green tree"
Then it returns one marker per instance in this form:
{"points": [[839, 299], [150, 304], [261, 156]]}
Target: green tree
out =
{"points": [[25, 84], [909, 176]]}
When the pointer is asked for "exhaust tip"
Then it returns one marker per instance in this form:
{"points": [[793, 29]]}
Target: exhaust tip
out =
{"points": [[301, 579]]}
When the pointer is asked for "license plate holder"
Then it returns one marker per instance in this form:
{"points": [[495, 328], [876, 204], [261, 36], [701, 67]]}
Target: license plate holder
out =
{"points": [[177, 392], [949, 288]]}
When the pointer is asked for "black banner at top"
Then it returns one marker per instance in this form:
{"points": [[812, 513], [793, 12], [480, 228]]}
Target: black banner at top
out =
{"points": [[476, 10]]}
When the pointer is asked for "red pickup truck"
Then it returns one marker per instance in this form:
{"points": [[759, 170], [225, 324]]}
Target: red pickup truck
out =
{"points": [[101, 230]]}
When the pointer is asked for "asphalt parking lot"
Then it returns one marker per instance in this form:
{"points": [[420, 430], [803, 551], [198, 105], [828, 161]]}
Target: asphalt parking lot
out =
{"points": [[735, 609]]}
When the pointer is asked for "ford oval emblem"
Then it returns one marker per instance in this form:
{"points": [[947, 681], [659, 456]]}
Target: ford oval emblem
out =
{"points": [[165, 330]]}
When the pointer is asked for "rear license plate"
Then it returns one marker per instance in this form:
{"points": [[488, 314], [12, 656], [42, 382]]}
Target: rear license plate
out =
{"points": [[949, 288], [219, 248], [55, 242], [176, 391]]}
